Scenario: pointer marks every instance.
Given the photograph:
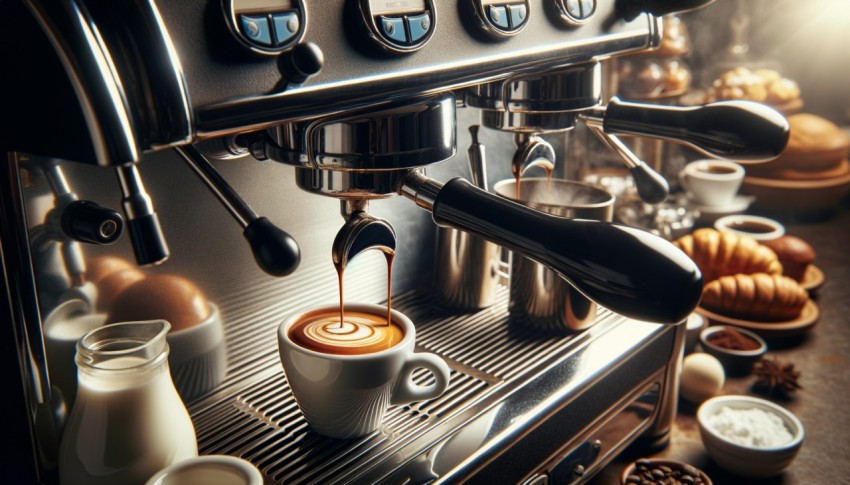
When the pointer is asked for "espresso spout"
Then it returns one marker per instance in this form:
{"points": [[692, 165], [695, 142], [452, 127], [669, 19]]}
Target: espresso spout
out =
{"points": [[626, 270]]}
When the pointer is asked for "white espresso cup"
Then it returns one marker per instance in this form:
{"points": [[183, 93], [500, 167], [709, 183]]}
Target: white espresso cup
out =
{"points": [[712, 182], [347, 395]]}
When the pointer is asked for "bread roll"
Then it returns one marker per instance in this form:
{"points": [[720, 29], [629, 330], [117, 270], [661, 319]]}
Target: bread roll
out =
{"points": [[759, 297], [794, 253], [719, 254], [811, 132]]}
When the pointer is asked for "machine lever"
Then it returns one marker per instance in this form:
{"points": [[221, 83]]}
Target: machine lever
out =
{"points": [[624, 269], [630, 9], [275, 251], [651, 186], [738, 130]]}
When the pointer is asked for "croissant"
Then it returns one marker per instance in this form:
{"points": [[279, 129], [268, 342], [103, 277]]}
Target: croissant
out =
{"points": [[759, 297], [719, 253]]}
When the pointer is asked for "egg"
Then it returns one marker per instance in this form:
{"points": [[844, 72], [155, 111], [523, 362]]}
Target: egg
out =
{"points": [[161, 296], [99, 267], [111, 285], [702, 377]]}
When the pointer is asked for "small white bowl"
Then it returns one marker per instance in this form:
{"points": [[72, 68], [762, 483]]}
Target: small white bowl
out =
{"points": [[749, 461], [756, 227], [197, 356], [693, 326], [209, 470]]}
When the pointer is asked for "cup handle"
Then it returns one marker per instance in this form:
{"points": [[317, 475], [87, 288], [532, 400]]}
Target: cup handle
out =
{"points": [[406, 391]]}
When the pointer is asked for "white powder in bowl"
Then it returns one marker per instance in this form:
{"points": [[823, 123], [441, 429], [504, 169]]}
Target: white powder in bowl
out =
{"points": [[750, 427]]}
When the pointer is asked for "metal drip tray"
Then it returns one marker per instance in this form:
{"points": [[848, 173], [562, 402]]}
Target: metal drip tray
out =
{"points": [[517, 401]]}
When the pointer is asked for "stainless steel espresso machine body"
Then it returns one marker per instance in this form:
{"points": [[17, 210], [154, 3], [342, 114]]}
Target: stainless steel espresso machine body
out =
{"points": [[196, 106]]}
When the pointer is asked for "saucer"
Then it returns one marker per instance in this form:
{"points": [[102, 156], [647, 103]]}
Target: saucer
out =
{"points": [[710, 213], [803, 323], [813, 279]]}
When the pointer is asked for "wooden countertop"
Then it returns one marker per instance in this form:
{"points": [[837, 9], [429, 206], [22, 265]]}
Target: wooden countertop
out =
{"points": [[823, 357]]}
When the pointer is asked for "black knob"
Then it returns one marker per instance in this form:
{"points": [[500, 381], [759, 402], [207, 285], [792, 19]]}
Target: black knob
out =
{"points": [[303, 61], [629, 9], [739, 130], [88, 222], [651, 186], [626, 270], [275, 251]]}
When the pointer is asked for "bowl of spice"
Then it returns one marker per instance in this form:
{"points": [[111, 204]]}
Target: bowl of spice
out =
{"points": [[658, 471], [736, 348], [748, 436]]}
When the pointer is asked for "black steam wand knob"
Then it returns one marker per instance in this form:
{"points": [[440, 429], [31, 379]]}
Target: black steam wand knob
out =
{"points": [[738, 130], [275, 251], [624, 269]]}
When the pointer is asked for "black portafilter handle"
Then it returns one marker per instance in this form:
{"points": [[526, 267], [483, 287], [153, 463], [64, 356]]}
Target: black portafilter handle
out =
{"points": [[738, 130], [630, 9], [626, 270]]}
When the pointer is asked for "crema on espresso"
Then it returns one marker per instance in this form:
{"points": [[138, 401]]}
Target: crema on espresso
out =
{"points": [[358, 333]]}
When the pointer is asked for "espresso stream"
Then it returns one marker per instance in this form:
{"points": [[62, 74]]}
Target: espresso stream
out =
{"points": [[349, 332]]}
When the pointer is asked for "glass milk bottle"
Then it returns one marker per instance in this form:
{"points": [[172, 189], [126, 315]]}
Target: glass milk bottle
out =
{"points": [[128, 421]]}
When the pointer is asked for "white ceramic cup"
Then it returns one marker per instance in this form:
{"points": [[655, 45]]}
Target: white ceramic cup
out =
{"points": [[345, 396], [756, 227], [209, 470], [712, 182]]}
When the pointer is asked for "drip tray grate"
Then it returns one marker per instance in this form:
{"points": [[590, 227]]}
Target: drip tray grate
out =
{"points": [[253, 415]]}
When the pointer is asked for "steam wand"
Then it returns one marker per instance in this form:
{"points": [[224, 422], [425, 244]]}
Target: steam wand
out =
{"points": [[275, 251]]}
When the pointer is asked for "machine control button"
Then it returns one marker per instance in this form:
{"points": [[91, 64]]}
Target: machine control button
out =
{"points": [[518, 14], [398, 26], [418, 26], [393, 29], [575, 12], [588, 8], [257, 28], [500, 18], [498, 14], [574, 9], [266, 27], [286, 26]]}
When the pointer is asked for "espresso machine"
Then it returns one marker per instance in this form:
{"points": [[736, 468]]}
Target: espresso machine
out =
{"points": [[303, 110]]}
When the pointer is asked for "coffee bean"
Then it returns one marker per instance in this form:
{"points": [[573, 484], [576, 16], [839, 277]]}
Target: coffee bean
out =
{"points": [[633, 479]]}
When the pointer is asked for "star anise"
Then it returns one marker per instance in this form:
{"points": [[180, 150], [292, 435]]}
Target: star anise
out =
{"points": [[775, 375]]}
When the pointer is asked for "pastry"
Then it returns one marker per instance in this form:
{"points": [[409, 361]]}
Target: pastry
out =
{"points": [[758, 297], [761, 85], [719, 254], [794, 253]]}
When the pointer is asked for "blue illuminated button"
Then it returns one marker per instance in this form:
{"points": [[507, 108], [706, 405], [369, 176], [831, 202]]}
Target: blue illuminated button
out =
{"points": [[574, 9], [499, 16], [393, 29], [518, 14], [419, 25], [587, 8], [286, 25], [257, 29]]}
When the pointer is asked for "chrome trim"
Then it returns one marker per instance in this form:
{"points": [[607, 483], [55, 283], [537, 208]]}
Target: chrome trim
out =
{"points": [[351, 184], [77, 42], [403, 135], [299, 102], [125, 113]]}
